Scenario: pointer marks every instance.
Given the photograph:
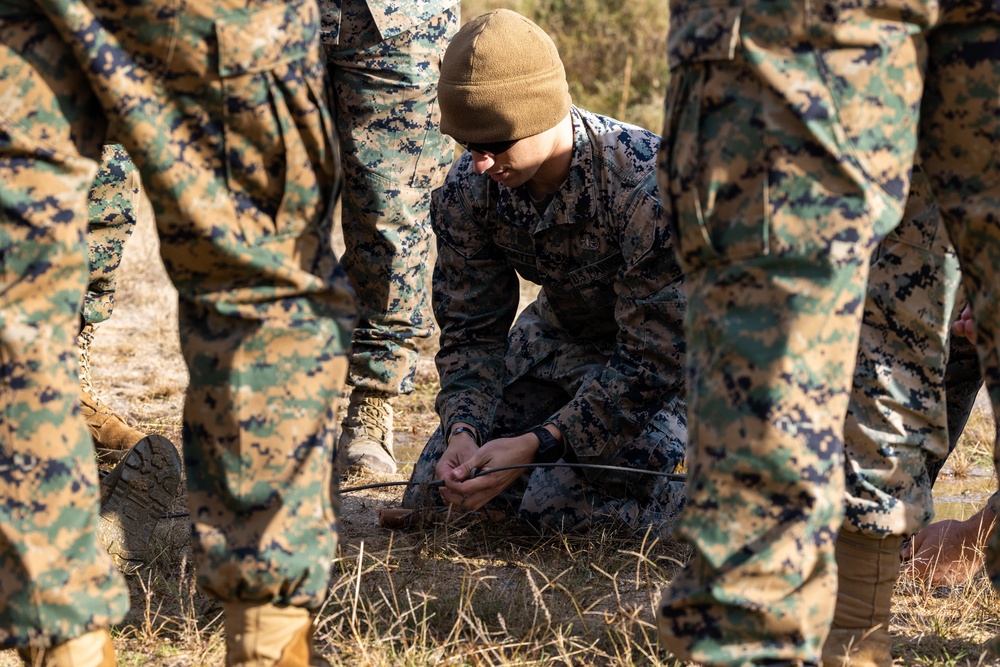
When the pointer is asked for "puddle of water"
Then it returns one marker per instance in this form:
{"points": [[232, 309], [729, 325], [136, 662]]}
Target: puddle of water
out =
{"points": [[961, 497]]}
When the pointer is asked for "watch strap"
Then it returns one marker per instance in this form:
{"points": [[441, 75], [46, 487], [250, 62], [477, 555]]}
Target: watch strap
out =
{"points": [[464, 429], [550, 450]]}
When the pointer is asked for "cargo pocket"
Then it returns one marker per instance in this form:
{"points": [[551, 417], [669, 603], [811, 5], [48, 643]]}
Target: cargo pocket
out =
{"points": [[437, 150], [714, 157], [278, 132]]}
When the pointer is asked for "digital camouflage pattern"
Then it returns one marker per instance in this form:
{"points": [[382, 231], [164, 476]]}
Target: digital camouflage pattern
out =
{"points": [[113, 204], [383, 59], [237, 155], [546, 367], [910, 400], [389, 17], [600, 352], [790, 132], [896, 430]]}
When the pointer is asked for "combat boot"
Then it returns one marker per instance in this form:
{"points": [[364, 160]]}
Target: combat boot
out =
{"points": [[366, 437], [93, 649], [867, 571], [266, 635], [109, 431], [134, 495]]}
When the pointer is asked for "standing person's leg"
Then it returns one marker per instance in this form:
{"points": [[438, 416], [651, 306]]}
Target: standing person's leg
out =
{"points": [[112, 208], [394, 155], [960, 149], [59, 591], [897, 422], [779, 194], [235, 146], [147, 469], [113, 201]]}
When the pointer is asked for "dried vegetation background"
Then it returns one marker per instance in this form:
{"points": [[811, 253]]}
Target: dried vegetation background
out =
{"points": [[472, 593]]}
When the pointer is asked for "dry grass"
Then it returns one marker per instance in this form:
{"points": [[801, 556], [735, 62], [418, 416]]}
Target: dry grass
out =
{"points": [[474, 593], [945, 625], [974, 452]]}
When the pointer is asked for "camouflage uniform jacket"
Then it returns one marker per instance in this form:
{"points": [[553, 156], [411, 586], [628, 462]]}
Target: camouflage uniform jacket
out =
{"points": [[603, 255], [391, 16]]}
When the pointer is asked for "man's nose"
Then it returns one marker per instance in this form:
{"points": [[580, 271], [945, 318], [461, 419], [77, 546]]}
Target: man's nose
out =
{"points": [[481, 162]]}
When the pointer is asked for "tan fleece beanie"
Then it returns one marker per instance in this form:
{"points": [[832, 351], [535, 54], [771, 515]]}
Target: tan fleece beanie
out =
{"points": [[501, 79]]}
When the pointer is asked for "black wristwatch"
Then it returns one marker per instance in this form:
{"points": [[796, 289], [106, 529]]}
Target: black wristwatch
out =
{"points": [[550, 450]]}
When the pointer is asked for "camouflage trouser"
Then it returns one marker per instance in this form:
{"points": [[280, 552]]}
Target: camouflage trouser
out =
{"points": [[236, 151], [788, 142], [547, 375], [911, 399], [915, 384], [897, 421], [113, 202], [387, 122]]}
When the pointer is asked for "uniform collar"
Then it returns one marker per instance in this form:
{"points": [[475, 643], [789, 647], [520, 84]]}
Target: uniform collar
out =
{"points": [[576, 199]]}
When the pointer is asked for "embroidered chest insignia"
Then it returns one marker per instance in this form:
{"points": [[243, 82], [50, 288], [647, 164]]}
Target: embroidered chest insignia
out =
{"points": [[589, 242]]}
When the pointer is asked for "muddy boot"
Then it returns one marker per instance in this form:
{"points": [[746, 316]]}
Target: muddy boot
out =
{"points": [[93, 649], [112, 436], [134, 495], [266, 635], [867, 571], [366, 439]]}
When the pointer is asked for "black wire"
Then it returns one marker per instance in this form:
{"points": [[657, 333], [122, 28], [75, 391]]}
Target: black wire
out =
{"points": [[558, 464], [674, 477]]}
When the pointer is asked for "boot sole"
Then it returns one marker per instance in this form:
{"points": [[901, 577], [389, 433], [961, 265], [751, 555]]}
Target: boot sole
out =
{"points": [[135, 495], [368, 462], [364, 455]]}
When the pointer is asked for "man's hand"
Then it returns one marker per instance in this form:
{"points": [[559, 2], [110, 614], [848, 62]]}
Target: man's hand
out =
{"points": [[461, 447], [499, 453], [964, 326], [949, 552]]}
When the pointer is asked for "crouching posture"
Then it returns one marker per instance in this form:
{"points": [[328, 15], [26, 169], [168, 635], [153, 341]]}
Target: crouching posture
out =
{"points": [[590, 372]]}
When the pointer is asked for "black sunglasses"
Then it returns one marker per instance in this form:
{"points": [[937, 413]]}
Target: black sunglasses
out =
{"points": [[494, 148]]}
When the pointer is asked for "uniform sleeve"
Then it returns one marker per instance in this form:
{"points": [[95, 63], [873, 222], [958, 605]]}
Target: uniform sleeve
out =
{"points": [[646, 368], [475, 300]]}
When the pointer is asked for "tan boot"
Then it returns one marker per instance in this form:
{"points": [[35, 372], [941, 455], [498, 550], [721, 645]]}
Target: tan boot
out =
{"points": [[134, 495], [143, 481], [266, 635], [94, 649], [867, 571], [108, 430], [366, 437]]}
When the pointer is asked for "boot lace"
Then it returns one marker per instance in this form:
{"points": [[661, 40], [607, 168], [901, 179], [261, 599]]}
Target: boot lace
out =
{"points": [[373, 413], [83, 344]]}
